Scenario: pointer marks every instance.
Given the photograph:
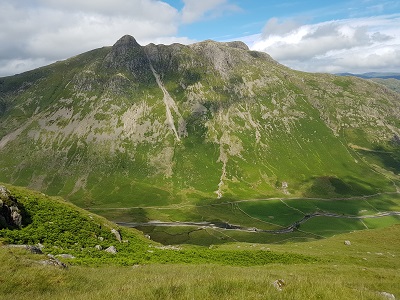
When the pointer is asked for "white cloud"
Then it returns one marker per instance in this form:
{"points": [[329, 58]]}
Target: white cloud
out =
{"points": [[21, 65], [42, 31], [275, 27], [37, 32], [138, 9], [195, 10], [355, 45]]}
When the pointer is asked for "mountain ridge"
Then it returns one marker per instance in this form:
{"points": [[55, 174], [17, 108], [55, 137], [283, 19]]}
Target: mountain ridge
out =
{"points": [[390, 80], [162, 124], [371, 75]]}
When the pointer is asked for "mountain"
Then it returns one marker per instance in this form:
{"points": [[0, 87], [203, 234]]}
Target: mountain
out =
{"points": [[133, 125], [369, 75], [390, 80], [391, 83]]}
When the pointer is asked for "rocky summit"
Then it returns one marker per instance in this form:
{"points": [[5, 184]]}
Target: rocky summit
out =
{"points": [[132, 125]]}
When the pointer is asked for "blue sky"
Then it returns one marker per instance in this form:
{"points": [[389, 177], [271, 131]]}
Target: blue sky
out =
{"points": [[317, 36], [248, 17]]}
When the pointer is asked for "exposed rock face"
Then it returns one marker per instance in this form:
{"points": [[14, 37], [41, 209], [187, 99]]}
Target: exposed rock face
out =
{"points": [[4, 193], [124, 44], [117, 235], [34, 249], [127, 54], [3, 215], [16, 217], [52, 261], [65, 255], [237, 44], [10, 216], [111, 250], [388, 295]]}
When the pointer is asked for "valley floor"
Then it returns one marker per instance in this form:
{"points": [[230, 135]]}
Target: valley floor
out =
{"points": [[272, 220]]}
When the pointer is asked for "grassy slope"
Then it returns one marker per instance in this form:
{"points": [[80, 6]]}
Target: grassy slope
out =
{"points": [[64, 228], [360, 271], [323, 269]]}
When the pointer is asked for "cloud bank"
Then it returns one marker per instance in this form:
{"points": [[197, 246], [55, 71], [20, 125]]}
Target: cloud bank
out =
{"points": [[352, 45], [38, 32]]}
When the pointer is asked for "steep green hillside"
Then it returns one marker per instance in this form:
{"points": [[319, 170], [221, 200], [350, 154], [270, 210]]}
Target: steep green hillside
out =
{"points": [[59, 228], [127, 125]]}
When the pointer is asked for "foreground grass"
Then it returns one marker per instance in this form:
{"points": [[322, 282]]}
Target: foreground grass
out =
{"points": [[360, 271], [143, 269]]}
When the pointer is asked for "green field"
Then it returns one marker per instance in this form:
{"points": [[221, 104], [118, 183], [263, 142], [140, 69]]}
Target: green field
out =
{"points": [[268, 214]]}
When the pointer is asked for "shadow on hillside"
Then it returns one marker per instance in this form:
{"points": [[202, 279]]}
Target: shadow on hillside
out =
{"points": [[332, 187], [388, 160]]}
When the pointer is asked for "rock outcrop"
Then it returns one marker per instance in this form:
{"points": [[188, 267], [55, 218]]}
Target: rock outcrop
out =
{"points": [[111, 250], [116, 234], [10, 216], [387, 295], [52, 261]]}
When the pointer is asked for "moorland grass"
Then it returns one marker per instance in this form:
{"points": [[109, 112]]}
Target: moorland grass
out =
{"points": [[343, 274]]}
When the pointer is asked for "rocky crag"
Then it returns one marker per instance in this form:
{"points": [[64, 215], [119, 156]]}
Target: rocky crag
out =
{"points": [[10, 216]]}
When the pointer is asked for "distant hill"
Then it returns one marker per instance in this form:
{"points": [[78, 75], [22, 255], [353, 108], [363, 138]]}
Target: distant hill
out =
{"points": [[390, 80], [369, 75], [391, 83]]}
